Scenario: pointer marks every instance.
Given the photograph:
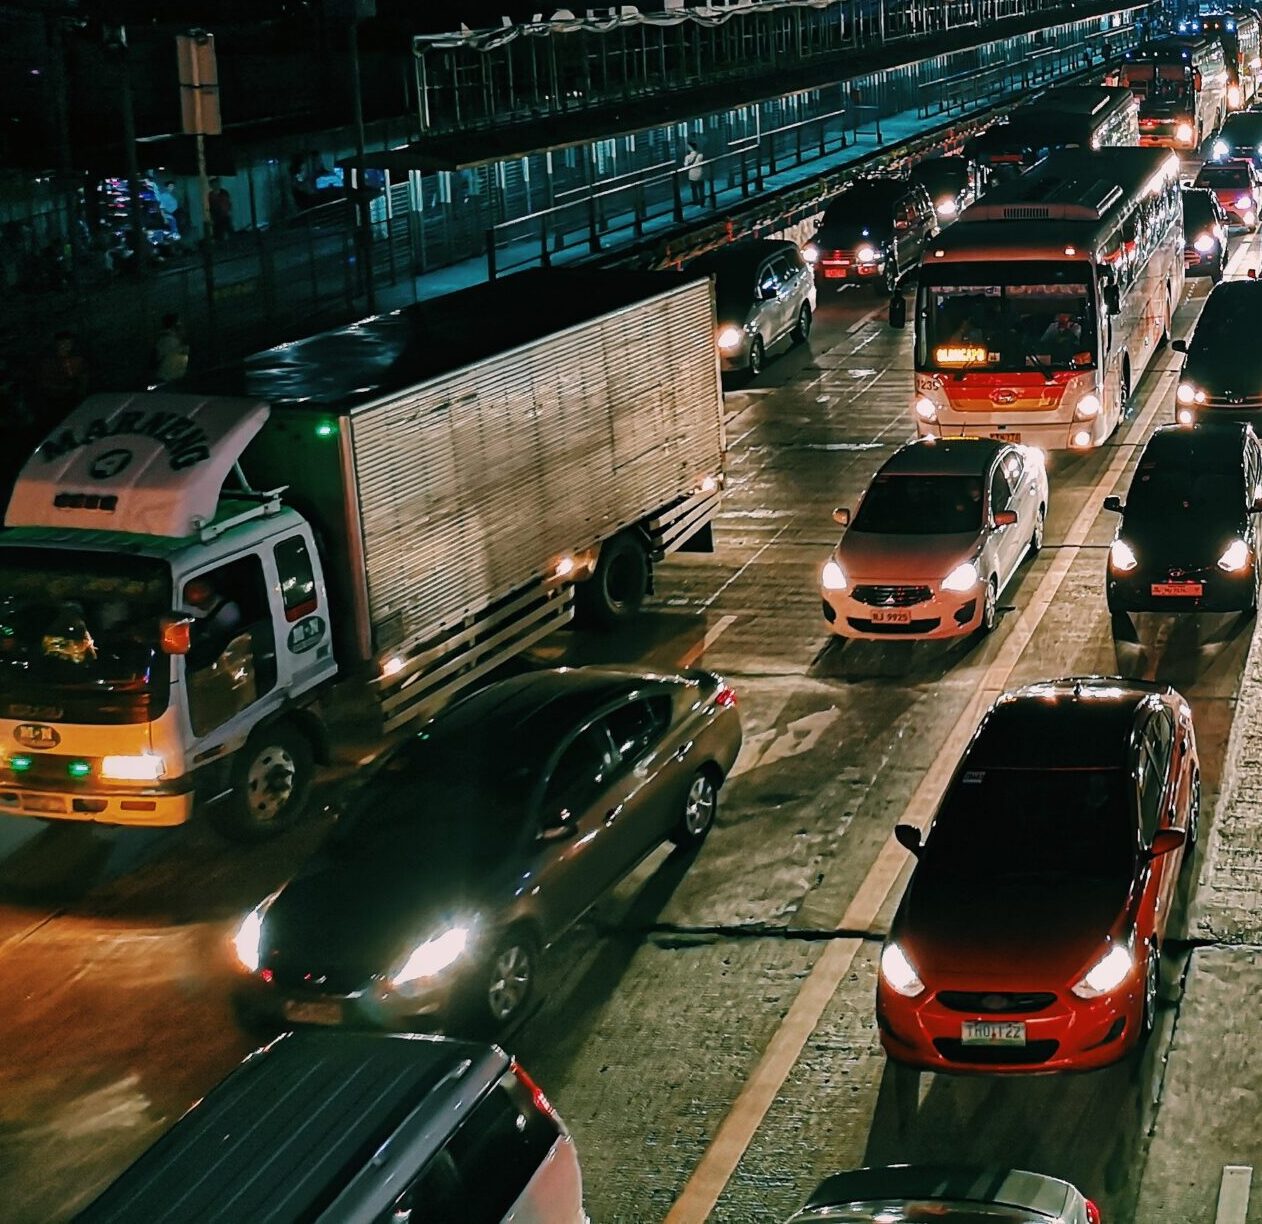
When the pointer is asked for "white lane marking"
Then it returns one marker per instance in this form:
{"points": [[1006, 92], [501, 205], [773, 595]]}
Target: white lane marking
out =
{"points": [[712, 635], [709, 603], [1233, 1194], [799, 736], [738, 1128]]}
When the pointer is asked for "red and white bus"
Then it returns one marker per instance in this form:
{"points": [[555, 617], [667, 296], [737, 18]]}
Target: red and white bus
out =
{"points": [[1181, 84], [1039, 310]]}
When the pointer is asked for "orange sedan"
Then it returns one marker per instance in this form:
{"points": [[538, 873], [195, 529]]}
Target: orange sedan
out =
{"points": [[1029, 937]]}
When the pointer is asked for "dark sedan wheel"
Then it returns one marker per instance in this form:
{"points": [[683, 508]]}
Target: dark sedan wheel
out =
{"points": [[1152, 979], [508, 981], [757, 356], [700, 806]]}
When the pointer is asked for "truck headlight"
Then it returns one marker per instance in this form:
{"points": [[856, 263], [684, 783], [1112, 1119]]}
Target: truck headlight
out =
{"points": [[899, 973], [866, 254], [1235, 558], [1204, 243], [433, 956], [947, 207], [1122, 557], [730, 338], [963, 577], [1107, 974], [147, 767], [1183, 132], [832, 577]]}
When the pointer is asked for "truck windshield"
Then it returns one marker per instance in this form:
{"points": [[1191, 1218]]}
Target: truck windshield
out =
{"points": [[1003, 318], [79, 636]]}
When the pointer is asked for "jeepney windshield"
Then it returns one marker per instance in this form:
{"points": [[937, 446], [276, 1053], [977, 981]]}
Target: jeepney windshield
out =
{"points": [[79, 636], [1003, 317]]}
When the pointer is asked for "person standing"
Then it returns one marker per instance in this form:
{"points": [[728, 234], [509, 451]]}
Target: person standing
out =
{"points": [[170, 350], [694, 167], [220, 205]]}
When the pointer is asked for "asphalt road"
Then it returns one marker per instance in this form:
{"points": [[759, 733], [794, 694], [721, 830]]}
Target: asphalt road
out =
{"points": [[709, 996]]}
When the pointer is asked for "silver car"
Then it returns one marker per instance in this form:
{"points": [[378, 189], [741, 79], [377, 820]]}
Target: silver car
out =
{"points": [[942, 529], [764, 291], [946, 1193]]}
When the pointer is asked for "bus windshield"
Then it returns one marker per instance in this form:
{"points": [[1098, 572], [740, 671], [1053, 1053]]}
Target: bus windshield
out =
{"points": [[79, 636], [1007, 316]]}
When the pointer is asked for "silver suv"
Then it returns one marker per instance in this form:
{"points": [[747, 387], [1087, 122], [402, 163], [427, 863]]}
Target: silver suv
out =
{"points": [[764, 291]]}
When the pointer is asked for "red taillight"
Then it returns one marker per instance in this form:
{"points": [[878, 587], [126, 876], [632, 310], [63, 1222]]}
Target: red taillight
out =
{"points": [[1093, 1213], [541, 1102], [265, 974], [725, 697]]}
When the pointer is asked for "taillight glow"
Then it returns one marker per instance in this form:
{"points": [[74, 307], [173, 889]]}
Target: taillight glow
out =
{"points": [[725, 697], [541, 1102], [1093, 1213]]}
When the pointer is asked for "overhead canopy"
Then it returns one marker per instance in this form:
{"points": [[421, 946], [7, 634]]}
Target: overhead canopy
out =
{"points": [[152, 463]]}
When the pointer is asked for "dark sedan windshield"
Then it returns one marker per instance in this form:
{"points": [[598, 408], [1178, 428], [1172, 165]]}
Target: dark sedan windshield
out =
{"points": [[1000, 822], [1198, 214], [942, 176], [921, 505], [1206, 490]]}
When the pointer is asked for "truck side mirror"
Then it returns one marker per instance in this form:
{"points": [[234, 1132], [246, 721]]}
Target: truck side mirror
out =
{"points": [[898, 311]]}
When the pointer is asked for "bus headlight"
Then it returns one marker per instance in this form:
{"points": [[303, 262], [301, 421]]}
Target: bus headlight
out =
{"points": [[1183, 133], [1220, 149], [866, 254], [1122, 557], [1088, 407], [1204, 243], [926, 409]]}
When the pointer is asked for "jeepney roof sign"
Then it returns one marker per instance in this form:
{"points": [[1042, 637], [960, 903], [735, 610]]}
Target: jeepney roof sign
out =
{"points": [[153, 463]]}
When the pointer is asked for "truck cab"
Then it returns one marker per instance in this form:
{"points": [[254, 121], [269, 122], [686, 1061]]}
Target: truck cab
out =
{"points": [[154, 623]]}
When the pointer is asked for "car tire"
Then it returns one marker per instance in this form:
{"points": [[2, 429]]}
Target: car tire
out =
{"points": [[1036, 536], [1193, 824], [506, 981], [700, 806], [802, 329], [990, 608], [1152, 982], [887, 286], [1219, 270], [271, 783], [757, 357], [616, 590]]}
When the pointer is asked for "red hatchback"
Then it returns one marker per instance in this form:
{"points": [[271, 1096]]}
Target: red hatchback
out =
{"points": [[1029, 937]]}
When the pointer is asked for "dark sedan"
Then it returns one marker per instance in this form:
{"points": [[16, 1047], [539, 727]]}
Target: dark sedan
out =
{"points": [[1221, 379], [1205, 234], [1028, 937], [905, 1193], [483, 838], [951, 183], [1188, 538]]}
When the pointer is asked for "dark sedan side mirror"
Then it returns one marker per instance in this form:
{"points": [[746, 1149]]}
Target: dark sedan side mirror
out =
{"points": [[1114, 503], [1179, 346], [898, 312], [841, 516], [1005, 518], [908, 836], [1164, 841]]}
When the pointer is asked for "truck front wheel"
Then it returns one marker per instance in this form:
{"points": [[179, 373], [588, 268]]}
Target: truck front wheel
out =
{"points": [[271, 781], [616, 589]]}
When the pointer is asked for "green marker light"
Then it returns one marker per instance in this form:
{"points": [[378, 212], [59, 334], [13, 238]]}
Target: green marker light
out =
{"points": [[78, 769], [20, 763], [326, 429]]}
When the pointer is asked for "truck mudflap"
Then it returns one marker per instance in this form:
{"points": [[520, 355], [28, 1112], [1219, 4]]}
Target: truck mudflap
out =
{"points": [[675, 524], [451, 660]]}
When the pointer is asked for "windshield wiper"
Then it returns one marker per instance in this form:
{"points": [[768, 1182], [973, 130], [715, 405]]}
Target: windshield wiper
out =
{"points": [[1046, 371]]}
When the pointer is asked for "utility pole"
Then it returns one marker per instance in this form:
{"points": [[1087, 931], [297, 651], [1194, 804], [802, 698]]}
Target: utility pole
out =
{"points": [[363, 215], [199, 105], [116, 41]]}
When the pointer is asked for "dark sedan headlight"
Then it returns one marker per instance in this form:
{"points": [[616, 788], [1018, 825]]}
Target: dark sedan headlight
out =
{"points": [[432, 957], [247, 940], [1122, 557], [947, 207], [866, 254], [1235, 558]]}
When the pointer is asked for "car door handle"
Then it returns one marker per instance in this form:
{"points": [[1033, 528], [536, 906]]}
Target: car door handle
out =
{"points": [[613, 814]]}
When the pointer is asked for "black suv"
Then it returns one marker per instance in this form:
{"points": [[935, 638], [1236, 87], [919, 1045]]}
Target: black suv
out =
{"points": [[1205, 233], [873, 232], [1188, 538], [1222, 376]]}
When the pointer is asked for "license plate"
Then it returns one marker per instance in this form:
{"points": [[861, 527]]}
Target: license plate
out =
{"points": [[1006, 437], [834, 273], [1177, 588], [891, 616], [994, 1032], [43, 803], [312, 1013]]}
